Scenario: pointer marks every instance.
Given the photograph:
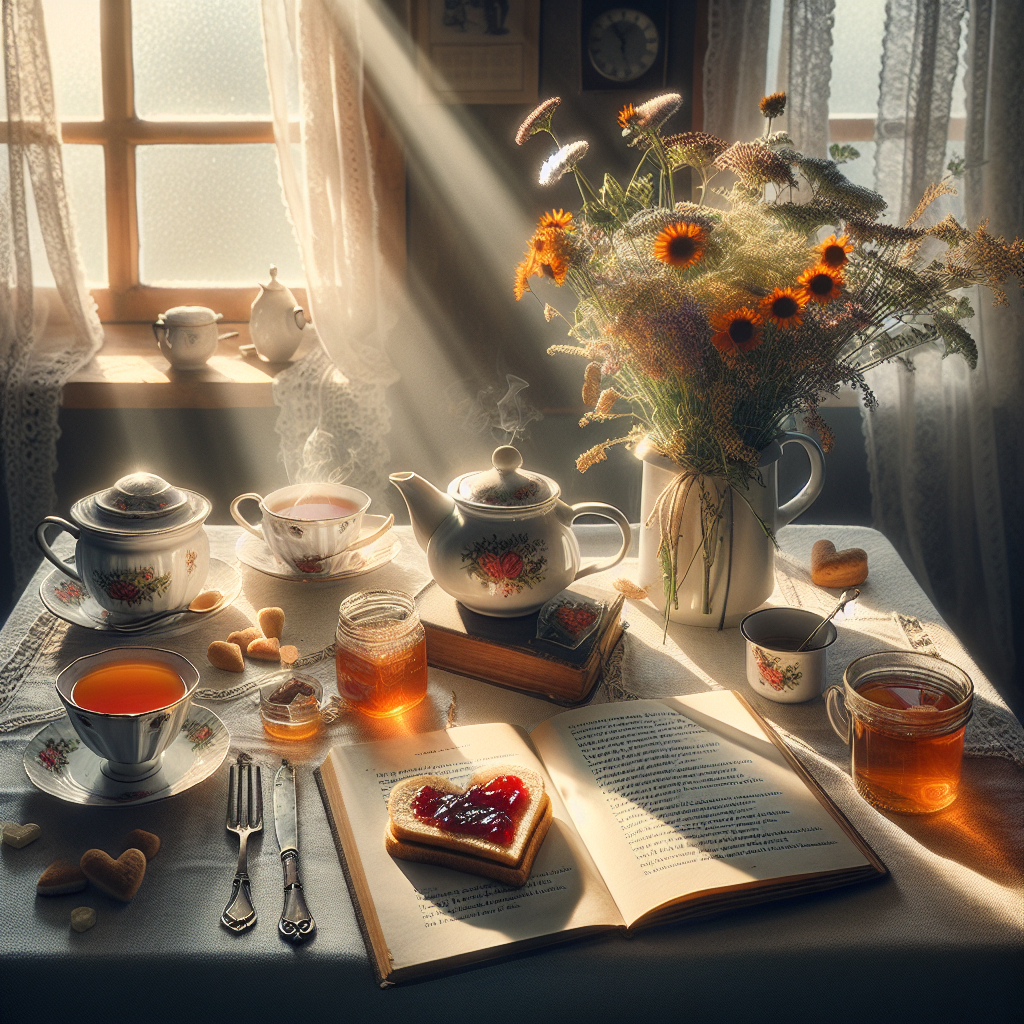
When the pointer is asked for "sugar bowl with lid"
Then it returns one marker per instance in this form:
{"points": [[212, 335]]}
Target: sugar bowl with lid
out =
{"points": [[142, 547]]}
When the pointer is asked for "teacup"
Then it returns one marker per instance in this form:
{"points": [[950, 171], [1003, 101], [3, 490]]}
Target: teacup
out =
{"points": [[132, 743], [310, 527], [775, 669]]}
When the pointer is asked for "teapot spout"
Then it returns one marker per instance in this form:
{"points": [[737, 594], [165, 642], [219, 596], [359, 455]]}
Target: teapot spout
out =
{"points": [[428, 507]]}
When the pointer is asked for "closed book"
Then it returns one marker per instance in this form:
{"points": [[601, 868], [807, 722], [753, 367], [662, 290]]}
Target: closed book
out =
{"points": [[509, 653]]}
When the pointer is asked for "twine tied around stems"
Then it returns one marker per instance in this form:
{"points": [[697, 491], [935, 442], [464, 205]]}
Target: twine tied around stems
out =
{"points": [[668, 511]]}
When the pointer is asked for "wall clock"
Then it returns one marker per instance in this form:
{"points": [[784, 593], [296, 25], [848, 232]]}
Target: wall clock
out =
{"points": [[623, 45]]}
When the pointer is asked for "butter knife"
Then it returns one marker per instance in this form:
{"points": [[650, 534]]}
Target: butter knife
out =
{"points": [[296, 924]]}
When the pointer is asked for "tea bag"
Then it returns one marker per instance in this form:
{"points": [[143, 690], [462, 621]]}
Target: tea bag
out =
{"points": [[569, 618]]}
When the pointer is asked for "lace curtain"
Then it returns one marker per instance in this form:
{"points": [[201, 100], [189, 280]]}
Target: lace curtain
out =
{"points": [[33, 369], [334, 420], [944, 445], [805, 72]]}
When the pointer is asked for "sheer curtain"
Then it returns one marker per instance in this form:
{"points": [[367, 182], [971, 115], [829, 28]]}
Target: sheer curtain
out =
{"points": [[334, 420], [34, 368], [944, 445]]}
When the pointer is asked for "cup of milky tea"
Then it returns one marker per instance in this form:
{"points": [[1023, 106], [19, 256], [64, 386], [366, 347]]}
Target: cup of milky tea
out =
{"points": [[127, 705], [775, 669], [310, 527]]}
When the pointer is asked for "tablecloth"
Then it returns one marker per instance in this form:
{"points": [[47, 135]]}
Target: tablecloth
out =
{"points": [[938, 940]]}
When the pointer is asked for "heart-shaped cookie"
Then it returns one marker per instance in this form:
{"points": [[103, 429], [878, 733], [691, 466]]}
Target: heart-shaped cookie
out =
{"points": [[831, 568], [140, 839], [493, 817], [61, 877], [20, 835], [119, 878]]}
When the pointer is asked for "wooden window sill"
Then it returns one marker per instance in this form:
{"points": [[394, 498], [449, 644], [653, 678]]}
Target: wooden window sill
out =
{"points": [[130, 372]]}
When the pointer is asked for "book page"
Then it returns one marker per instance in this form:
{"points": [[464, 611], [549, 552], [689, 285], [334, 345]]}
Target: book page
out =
{"points": [[683, 795], [430, 913]]}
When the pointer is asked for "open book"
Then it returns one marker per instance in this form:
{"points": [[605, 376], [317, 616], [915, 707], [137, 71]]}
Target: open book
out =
{"points": [[663, 810]]}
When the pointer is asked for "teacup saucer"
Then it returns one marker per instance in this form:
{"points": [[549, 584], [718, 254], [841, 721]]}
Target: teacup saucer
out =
{"points": [[59, 763], [253, 552], [69, 601]]}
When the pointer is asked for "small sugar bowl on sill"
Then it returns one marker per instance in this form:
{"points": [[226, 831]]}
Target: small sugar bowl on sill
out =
{"points": [[776, 669]]}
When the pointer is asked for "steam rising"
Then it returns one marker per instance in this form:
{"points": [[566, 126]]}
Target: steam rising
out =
{"points": [[506, 418]]}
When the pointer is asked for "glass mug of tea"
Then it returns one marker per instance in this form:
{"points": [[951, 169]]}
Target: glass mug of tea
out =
{"points": [[905, 719], [312, 528]]}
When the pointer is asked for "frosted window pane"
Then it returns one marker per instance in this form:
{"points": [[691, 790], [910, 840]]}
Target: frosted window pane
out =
{"points": [[83, 174], [856, 56], [194, 57], [73, 32], [212, 215]]}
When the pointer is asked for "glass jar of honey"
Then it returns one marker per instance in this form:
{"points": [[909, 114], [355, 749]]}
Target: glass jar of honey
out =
{"points": [[381, 653]]}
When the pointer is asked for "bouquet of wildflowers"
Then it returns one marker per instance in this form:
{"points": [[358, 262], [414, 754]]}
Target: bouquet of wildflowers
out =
{"points": [[708, 330]]}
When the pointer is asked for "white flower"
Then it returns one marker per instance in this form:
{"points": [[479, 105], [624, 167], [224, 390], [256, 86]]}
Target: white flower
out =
{"points": [[563, 161]]}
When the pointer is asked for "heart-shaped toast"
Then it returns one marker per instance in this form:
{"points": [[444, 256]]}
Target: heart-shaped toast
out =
{"points": [[119, 878], [831, 568], [493, 818], [60, 878]]}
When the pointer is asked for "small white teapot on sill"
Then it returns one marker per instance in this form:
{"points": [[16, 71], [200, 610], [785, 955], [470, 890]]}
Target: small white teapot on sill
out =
{"points": [[277, 321]]}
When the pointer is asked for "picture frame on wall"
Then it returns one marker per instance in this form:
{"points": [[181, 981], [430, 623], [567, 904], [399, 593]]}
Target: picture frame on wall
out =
{"points": [[478, 51]]}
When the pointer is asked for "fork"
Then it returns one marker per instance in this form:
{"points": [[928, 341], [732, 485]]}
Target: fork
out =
{"points": [[245, 816]]}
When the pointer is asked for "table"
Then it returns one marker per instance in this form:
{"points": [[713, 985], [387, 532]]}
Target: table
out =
{"points": [[939, 940]]}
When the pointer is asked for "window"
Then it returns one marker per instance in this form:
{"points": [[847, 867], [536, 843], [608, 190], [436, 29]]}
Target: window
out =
{"points": [[169, 154], [857, 35]]}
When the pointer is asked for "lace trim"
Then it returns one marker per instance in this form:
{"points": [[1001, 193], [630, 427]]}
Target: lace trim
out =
{"points": [[805, 68], [30, 379]]}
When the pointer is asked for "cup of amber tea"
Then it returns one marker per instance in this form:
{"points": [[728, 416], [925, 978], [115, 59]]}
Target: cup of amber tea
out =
{"points": [[904, 722]]}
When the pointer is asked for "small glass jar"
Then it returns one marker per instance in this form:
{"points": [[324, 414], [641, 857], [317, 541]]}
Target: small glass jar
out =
{"points": [[381, 653], [904, 724], [291, 712]]}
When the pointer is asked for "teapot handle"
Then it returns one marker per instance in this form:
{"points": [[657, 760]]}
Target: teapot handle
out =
{"points": [[44, 546], [159, 326], [256, 531], [599, 508]]}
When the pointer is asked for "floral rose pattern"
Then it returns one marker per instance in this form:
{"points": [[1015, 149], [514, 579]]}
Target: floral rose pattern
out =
{"points": [[199, 734], [133, 586], [310, 564], [506, 566], [778, 676], [70, 593], [55, 753]]}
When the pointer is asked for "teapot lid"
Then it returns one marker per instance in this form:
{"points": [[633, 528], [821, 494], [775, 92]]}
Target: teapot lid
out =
{"points": [[140, 503], [505, 485], [189, 316], [274, 285]]}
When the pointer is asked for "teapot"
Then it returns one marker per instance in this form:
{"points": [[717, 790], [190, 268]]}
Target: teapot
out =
{"points": [[501, 541], [141, 548], [276, 322]]}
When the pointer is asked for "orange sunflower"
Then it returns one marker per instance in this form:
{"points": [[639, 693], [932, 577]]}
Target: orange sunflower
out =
{"points": [[738, 329], [820, 283], [680, 245], [556, 219], [627, 115], [547, 255], [833, 251], [784, 307]]}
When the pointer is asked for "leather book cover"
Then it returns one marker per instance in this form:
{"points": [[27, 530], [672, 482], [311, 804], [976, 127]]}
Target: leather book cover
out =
{"points": [[508, 652]]}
